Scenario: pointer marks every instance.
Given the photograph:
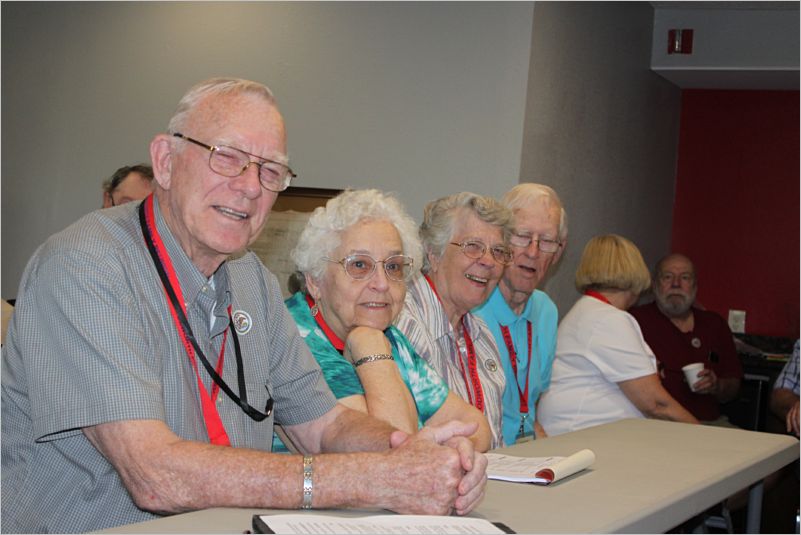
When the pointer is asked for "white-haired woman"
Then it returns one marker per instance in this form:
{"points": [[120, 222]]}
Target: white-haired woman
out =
{"points": [[355, 255], [464, 236]]}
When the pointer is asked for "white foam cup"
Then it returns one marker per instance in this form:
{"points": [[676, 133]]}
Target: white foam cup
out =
{"points": [[691, 372]]}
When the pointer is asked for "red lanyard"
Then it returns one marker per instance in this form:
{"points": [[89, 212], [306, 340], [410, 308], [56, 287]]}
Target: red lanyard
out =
{"points": [[335, 340], [599, 296], [472, 362], [214, 426], [507, 338], [472, 367]]}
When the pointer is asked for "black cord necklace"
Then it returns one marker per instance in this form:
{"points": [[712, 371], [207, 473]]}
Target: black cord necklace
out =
{"points": [[242, 399]]}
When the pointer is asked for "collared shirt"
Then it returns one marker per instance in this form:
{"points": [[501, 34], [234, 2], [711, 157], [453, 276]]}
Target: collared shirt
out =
{"points": [[424, 322], [92, 341], [789, 377], [541, 312]]}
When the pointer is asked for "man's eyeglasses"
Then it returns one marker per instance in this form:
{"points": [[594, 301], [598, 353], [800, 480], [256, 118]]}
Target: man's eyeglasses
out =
{"points": [[362, 266], [232, 162], [476, 249], [543, 244], [669, 278]]}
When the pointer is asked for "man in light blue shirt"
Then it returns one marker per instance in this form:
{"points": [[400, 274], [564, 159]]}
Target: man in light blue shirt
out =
{"points": [[523, 320]]}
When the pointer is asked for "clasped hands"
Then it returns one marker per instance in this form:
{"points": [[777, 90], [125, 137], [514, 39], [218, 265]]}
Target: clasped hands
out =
{"points": [[441, 459]]}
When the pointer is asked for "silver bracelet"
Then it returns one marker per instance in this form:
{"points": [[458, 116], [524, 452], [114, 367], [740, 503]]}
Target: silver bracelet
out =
{"points": [[372, 358], [308, 484]]}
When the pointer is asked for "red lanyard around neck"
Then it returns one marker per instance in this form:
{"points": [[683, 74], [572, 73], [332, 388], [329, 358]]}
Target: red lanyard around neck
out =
{"points": [[214, 425], [335, 340], [598, 295], [472, 368], [507, 338], [433, 288], [472, 362]]}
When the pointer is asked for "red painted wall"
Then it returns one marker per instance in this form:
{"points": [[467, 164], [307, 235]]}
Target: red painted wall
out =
{"points": [[736, 213]]}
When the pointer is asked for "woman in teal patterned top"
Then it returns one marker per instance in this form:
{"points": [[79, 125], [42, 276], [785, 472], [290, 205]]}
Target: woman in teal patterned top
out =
{"points": [[355, 256]]}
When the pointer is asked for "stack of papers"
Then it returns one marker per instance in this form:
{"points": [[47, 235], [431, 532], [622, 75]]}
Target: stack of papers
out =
{"points": [[293, 523]]}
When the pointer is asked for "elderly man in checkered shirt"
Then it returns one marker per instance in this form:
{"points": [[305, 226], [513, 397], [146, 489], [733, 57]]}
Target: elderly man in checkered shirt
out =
{"points": [[108, 417]]}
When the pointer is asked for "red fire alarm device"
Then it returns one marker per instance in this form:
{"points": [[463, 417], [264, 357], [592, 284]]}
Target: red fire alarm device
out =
{"points": [[680, 42]]}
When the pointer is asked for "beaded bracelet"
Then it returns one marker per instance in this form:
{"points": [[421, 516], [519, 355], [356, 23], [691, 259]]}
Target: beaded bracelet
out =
{"points": [[372, 358], [308, 484]]}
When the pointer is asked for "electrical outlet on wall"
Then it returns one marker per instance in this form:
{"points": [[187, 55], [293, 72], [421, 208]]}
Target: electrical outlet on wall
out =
{"points": [[737, 321]]}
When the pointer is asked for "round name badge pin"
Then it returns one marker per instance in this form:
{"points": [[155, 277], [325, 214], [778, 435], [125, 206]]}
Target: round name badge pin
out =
{"points": [[491, 365], [696, 342], [242, 321]]}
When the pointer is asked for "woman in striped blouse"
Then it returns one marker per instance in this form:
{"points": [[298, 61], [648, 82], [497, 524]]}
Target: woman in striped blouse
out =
{"points": [[464, 252]]}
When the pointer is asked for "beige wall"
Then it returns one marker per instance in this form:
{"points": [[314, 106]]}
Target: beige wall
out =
{"points": [[419, 98], [424, 99], [601, 128]]}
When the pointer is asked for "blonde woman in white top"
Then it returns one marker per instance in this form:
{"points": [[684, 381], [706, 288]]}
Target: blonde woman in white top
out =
{"points": [[603, 370]]}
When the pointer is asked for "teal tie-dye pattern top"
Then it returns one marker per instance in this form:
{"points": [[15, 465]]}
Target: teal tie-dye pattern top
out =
{"points": [[428, 389]]}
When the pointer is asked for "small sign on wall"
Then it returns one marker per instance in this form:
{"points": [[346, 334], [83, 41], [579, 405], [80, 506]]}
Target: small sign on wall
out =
{"points": [[737, 321]]}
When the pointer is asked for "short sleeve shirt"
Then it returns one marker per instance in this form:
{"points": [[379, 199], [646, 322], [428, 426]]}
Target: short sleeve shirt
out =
{"points": [[597, 347], [424, 322], [92, 341], [540, 312]]}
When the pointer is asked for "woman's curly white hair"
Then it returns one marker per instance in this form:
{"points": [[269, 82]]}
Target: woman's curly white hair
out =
{"points": [[322, 233]]}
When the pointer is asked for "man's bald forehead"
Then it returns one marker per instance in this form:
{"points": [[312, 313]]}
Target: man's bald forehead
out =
{"points": [[215, 109]]}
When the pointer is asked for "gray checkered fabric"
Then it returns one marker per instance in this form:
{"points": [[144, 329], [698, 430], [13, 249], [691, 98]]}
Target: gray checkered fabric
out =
{"points": [[92, 341]]}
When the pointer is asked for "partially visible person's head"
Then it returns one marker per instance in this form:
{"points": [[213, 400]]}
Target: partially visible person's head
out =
{"points": [[675, 285], [220, 167], [538, 239], [128, 183], [356, 254], [611, 262], [465, 247]]}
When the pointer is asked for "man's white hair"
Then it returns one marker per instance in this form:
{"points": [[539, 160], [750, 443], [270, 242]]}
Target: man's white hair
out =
{"points": [[523, 195], [214, 86]]}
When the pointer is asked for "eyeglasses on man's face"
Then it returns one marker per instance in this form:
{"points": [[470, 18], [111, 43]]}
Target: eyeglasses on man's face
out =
{"points": [[543, 244], [475, 249], [670, 278], [362, 266], [232, 162]]}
